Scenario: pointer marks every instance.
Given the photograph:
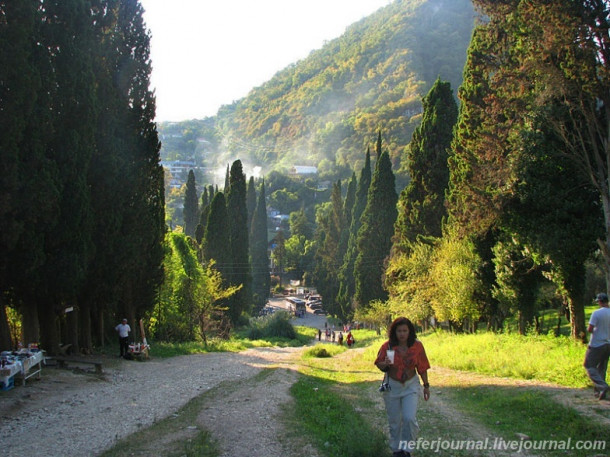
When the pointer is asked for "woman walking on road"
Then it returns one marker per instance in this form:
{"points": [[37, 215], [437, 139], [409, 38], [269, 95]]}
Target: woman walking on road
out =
{"points": [[403, 357]]}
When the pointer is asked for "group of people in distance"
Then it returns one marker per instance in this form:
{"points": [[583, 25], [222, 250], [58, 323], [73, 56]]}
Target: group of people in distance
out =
{"points": [[402, 358], [332, 336]]}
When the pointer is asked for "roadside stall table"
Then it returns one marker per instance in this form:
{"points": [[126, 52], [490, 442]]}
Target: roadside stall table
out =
{"points": [[7, 375], [21, 365], [32, 366]]}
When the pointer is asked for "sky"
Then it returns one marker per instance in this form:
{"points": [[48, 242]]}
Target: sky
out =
{"points": [[208, 53]]}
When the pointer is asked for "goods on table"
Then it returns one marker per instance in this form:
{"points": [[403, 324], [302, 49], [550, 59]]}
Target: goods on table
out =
{"points": [[19, 363]]}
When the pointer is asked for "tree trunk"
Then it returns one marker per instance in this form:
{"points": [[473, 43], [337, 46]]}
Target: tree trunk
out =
{"points": [[30, 325], [86, 343], [49, 332], [577, 320], [72, 322], [605, 245]]}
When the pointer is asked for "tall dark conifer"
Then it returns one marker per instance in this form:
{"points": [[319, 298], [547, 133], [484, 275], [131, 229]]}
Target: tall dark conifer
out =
{"points": [[191, 205], [144, 224], [251, 201], [421, 207], [238, 229], [348, 207], [328, 235], [217, 244], [28, 188], [227, 180], [375, 234], [69, 244], [347, 284], [261, 280]]}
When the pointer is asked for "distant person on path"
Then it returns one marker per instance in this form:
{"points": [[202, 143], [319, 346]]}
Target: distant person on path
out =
{"points": [[123, 330], [402, 397], [340, 338], [598, 352], [319, 335], [350, 340]]}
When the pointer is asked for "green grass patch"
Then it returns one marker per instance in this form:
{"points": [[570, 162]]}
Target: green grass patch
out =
{"points": [[334, 426], [324, 350], [366, 337], [540, 357], [238, 342], [202, 445], [511, 410]]}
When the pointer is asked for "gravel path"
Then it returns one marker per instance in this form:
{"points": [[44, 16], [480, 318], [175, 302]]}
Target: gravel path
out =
{"points": [[74, 414]]}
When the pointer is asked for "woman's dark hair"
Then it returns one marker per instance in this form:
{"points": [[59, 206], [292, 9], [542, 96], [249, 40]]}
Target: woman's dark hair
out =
{"points": [[392, 331]]}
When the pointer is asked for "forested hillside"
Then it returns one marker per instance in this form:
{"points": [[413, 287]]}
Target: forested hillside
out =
{"points": [[326, 109]]}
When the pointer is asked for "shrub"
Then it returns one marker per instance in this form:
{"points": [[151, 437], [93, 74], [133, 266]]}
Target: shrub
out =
{"points": [[324, 350], [319, 352], [276, 325]]}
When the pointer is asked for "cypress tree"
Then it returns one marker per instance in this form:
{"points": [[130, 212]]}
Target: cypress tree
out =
{"points": [[348, 207], [261, 280], [238, 229], [28, 188], [144, 222], [347, 284], [375, 234], [421, 207], [251, 201], [217, 238], [227, 180], [69, 243], [328, 235], [205, 200], [203, 216], [191, 206]]}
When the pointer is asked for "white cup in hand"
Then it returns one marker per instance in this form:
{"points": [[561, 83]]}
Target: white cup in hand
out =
{"points": [[390, 354]]}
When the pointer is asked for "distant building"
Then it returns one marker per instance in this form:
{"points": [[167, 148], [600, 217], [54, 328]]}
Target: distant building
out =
{"points": [[179, 167], [302, 170], [323, 185]]}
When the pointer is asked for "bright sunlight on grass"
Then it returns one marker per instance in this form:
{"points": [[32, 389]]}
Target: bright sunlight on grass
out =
{"points": [[541, 357], [238, 342]]}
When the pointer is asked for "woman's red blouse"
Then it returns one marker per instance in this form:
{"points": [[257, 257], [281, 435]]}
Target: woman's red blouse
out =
{"points": [[405, 362]]}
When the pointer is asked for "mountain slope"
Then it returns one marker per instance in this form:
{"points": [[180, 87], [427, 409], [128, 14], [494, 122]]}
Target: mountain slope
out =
{"points": [[325, 109]]}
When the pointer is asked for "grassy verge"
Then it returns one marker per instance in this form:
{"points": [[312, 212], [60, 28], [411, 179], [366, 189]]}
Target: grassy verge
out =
{"points": [[499, 413], [510, 411], [324, 350], [332, 423], [540, 357], [238, 342]]}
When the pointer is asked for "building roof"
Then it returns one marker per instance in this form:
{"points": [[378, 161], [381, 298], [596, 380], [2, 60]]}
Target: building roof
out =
{"points": [[304, 170]]}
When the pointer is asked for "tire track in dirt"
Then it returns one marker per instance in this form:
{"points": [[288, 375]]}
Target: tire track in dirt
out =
{"points": [[247, 418]]}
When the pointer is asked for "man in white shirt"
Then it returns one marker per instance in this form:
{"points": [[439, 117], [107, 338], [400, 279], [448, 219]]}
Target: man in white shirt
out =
{"points": [[598, 352], [123, 329]]}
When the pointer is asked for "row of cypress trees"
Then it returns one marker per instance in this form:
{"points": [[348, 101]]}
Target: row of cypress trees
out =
{"points": [[230, 228], [354, 237], [82, 202]]}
